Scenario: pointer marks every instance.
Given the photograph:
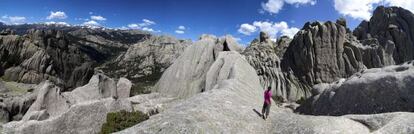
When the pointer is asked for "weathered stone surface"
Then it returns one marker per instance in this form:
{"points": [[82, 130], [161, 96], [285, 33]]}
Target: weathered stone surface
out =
{"points": [[282, 44], [82, 118], [376, 90], [146, 60], [82, 110], [263, 57], [229, 107], [321, 52], [123, 88], [226, 108], [186, 76], [390, 25], [45, 55]]}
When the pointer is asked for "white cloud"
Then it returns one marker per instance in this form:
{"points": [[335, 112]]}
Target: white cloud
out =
{"points": [[181, 27], [144, 25], [358, 9], [13, 19], [57, 23], [274, 29], [290, 32], [134, 26], [362, 9], [301, 2], [57, 15], [179, 31], [98, 18], [148, 29], [148, 22], [91, 23], [407, 4], [247, 29], [274, 6]]}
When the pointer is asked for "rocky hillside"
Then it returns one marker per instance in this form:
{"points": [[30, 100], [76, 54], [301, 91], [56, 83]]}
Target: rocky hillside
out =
{"points": [[144, 62]]}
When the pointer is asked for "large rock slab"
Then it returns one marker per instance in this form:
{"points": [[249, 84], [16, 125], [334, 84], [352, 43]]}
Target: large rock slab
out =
{"points": [[225, 108], [186, 77], [263, 56], [230, 105], [82, 110], [82, 118], [376, 90]]}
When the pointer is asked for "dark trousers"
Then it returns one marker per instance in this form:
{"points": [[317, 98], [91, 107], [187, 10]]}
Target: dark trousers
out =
{"points": [[266, 109]]}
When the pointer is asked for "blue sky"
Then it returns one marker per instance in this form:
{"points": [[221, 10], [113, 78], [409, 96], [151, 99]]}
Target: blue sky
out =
{"points": [[196, 17]]}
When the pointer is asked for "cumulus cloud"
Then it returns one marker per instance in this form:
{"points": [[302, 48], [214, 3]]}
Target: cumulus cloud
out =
{"points": [[98, 18], [13, 19], [274, 6], [148, 29], [355, 8], [91, 23], [407, 4], [144, 25], [274, 29], [179, 31], [57, 15], [362, 10], [247, 29], [181, 27], [56, 23]]}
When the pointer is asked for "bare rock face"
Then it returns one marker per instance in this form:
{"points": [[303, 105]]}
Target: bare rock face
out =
{"points": [[233, 96], [322, 52], [233, 90], [390, 26], [45, 55], [263, 56], [376, 90], [146, 60], [186, 77], [282, 44], [82, 110]]}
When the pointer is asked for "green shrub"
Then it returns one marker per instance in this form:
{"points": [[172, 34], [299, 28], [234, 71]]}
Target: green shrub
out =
{"points": [[117, 121]]}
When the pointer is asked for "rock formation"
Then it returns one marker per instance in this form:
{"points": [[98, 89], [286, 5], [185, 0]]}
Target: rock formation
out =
{"points": [[322, 52], [263, 56], [186, 76], [392, 27], [46, 55], [376, 90], [144, 62], [230, 106], [77, 111]]}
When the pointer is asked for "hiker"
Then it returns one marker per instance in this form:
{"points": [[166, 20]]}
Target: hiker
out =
{"points": [[267, 102]]}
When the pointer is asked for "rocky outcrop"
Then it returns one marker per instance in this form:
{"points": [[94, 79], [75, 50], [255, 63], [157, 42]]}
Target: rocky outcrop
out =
{"points": [[322, 52], [186, 77], [376, 90], [230, 106], [282, 44], [144, 62], [263, 56], [233, 90], [392, 27], [77, 111], [46, 55]]}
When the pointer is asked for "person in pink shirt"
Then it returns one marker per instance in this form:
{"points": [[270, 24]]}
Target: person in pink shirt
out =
{"points": [[267, 102]]}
